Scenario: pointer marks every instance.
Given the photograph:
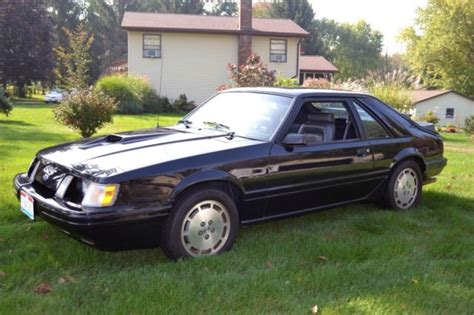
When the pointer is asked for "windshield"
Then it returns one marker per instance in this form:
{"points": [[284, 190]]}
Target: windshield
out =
{"points": [[252, 115]]}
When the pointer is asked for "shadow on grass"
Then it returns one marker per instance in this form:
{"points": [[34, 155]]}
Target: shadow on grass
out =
{"points": [[16, 123], [351, 216], [10, 132], [31, 105]]}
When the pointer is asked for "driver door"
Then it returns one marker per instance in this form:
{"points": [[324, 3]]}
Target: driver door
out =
{"points": [[334, 169]]}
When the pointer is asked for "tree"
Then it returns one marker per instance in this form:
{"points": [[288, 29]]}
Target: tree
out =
{"points": [[26, 47], [354, 48], [223, 9], [300, 12], [75, 59], [5, 104], [442, 52], [64, 14], [176, 6]]}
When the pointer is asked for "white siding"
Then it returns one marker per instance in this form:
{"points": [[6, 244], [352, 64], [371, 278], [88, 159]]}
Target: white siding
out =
{"points": [[191, 64], [463, 107], [196, 64], [261, 46]]}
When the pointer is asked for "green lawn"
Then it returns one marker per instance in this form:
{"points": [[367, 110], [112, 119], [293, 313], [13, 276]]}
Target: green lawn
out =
{"points": [[354, 259]]}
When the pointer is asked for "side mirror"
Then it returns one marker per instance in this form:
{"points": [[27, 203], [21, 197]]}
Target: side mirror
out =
{"points": [[294, 139]]}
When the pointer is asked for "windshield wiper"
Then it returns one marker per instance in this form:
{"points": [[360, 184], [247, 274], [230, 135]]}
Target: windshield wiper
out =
{"points": [[216, 125], [185, 122]]}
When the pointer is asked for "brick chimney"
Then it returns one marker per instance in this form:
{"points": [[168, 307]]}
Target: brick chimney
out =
{"points": [[245, 25]]}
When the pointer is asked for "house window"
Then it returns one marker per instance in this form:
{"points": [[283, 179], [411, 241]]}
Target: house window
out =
{"points": [[151, 46], [278, 50], [449, 112]]}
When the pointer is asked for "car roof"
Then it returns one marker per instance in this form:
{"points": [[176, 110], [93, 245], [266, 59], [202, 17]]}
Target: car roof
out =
{"points": [[294, 92]]}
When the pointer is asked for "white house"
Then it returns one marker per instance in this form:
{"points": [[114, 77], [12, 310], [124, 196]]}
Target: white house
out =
{"points": [[189, 54], [449, 106]]}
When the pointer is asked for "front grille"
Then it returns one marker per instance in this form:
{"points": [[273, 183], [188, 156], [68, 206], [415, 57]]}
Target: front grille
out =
{"points": [[47, 178], [74, 192], [50, 175], [43, 190]]}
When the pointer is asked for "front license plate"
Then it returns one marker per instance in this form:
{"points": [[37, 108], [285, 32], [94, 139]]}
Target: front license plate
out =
{"points": [[27, 205]]}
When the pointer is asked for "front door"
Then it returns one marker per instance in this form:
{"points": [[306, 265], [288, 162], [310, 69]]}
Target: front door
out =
{"points": [[333, 167]]}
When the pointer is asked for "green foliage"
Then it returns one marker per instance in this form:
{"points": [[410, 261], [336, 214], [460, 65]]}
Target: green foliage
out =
{"points": [[429, 117], [469, 124], [357, 50], [223, 9], [393, 95], [299, 11], [286, 82], [181, 104], [442, 52], [252, 73], [5, 104], [25, 43], [85, 111], [73, 61], [317, 83], [133, 94]]}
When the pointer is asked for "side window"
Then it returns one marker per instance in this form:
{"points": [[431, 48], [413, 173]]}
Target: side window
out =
{"points": [[323, 122], [372, 127], [449, 112], [278, 50], [151, 46]]}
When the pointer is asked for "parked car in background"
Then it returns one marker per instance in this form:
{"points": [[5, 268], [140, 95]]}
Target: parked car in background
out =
{"points": [[53, 96], [244, 156]]}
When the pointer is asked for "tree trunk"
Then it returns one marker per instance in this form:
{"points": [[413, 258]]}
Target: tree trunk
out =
{"points": [[21, 90]]}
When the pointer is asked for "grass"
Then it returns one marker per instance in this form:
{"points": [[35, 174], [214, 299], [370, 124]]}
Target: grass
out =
{"points": [[354, 259]]}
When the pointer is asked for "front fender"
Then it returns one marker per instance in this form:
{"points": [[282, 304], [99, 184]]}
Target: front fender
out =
{"points": [[205, 176]]}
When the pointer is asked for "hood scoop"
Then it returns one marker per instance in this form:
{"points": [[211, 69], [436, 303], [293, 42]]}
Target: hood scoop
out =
{"points": [[117, 138]]}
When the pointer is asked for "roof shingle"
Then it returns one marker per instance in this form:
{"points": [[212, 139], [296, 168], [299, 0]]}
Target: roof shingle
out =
{"points": [[208, 24], [422, 95], [316, 64]]}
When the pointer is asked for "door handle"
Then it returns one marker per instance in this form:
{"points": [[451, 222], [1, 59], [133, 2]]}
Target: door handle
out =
{"points": [[363, 152]]}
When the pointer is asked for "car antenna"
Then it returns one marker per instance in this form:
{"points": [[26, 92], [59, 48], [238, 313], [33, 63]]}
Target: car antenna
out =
{"points": [[158, 119]]}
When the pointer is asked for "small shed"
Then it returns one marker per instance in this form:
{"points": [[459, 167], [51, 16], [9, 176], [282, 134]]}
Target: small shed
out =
{"points": [[313, 67], [449, 106]]}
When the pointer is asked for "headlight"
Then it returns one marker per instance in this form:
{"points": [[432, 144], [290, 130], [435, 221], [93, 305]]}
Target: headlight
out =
{"points": [[97, 195]]}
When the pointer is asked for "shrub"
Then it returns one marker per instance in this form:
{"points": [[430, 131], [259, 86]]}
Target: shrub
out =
{"points": [[133, 94], [252, 73], [317, 83], [286, 82], [429, 117], [393, 94], [151, 102], [469, 124], [5, 105], [85, 111], [451, 128], [181, 104]]}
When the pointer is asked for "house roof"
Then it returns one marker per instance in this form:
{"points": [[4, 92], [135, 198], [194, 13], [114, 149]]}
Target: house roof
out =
{"points": [[316, 64], [423, 95], [208, 24]]}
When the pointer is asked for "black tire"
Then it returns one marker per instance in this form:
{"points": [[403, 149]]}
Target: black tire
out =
{"points": [[172, 236], [389, 199]]}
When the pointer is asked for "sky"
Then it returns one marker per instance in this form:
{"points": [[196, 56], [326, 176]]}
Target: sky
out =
{"points": [[387, 16]]}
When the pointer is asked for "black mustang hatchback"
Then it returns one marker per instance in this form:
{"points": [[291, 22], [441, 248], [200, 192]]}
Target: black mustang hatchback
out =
{"points": [[245, 155]]}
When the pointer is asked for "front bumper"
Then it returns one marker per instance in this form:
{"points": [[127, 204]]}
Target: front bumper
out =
{"points": [[121, 227]]}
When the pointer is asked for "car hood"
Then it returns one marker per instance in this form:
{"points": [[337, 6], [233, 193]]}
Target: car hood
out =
{"points": [[118, 153]]}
